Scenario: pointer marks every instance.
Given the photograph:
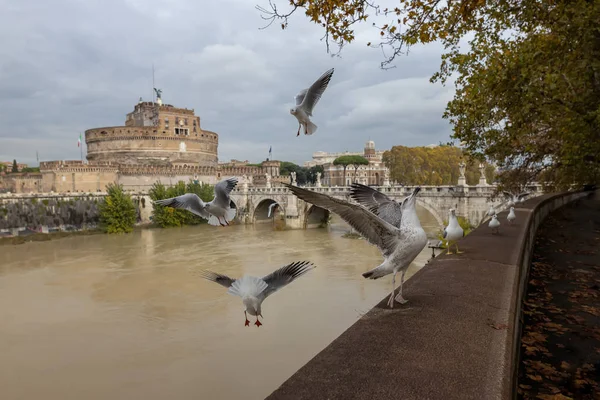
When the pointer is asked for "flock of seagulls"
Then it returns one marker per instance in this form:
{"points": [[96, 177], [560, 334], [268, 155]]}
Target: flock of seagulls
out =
{"points": [[392, 226]]}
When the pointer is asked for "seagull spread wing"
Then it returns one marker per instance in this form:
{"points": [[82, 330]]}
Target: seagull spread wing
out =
{"points": [[221, 279], [378, 203], [377, 231], [222, 190], [522, 195], [300, 96], [188, 201], [314, 92], [286, 275]]}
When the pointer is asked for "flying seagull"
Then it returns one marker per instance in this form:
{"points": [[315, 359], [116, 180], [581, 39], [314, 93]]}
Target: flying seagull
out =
{"points": [[271, 206], [378, 203], [254, 290], [494, 224], [306, 101], [217, 211], [453, 231], [399, 246], [511, 216]]}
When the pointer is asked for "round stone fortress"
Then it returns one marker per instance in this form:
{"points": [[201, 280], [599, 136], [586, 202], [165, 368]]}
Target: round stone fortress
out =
{"points": [[154, 134]]}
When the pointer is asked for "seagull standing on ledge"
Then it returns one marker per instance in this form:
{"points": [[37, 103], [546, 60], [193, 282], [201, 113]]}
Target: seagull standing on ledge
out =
{"points": [[494, 224], [217, 212], [511, 216], [306, 100], [254, 290], [399, 246], [453, 231]]}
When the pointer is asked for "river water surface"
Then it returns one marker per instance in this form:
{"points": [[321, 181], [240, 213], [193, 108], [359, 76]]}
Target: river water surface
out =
{"points": [[128, 317]]}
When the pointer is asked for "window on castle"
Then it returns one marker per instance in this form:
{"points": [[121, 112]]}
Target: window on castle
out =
{"points": [[185, 121], [176, 120], [182, 131], [194, 122], [194, 129]]}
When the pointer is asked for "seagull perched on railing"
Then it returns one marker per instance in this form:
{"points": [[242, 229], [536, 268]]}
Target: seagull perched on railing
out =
{"points": [[306, 101], [217, 212], [511, 216], [494, 224], [254, 290], [399, 245], [453, 232]]}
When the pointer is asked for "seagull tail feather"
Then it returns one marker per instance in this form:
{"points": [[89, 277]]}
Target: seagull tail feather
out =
{"points": [[214, 221], [230, 214], [310, 128]]}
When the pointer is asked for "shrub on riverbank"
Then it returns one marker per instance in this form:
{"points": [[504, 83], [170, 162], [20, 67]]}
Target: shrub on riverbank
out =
{"points": [[169, 216], [117, 211]]}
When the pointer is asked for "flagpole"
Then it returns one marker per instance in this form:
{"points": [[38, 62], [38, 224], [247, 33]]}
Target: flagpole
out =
{"points": [[81, 148]]}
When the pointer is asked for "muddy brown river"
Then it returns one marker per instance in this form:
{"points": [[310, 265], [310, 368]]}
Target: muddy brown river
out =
{"points": [[128, 317]]}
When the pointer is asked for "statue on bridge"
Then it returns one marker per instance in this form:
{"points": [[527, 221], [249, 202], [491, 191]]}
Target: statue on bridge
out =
{"points": [[293, 175], [268, 180], [245, 183], [318, 183], [462, 180]]}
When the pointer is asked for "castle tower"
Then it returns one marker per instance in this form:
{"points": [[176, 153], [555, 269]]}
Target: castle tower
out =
{"points": [[369, 151], [154, 135]]}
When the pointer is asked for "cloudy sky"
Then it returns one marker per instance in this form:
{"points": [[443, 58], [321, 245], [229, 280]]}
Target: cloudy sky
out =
{"points": [[70, 65]]}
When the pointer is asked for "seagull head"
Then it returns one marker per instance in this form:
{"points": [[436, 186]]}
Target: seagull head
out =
{"points": [[512, 209], [453, 212], [293, 111], [252, 305], [411, 200]]}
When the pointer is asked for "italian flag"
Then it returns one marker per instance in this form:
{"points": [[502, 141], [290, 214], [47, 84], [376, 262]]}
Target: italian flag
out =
{"points": [[79, 141]]}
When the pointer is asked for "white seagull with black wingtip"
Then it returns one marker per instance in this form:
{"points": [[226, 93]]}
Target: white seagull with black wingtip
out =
{"points": [[398, 245], [218, 211], [254, 290], [306, 101]]}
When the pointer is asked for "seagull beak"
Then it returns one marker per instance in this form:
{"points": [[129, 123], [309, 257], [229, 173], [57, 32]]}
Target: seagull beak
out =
{"points": [[417, 190]]}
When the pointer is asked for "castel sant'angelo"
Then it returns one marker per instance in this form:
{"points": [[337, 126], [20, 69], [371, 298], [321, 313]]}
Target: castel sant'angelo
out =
{"points": [[159, 142]]}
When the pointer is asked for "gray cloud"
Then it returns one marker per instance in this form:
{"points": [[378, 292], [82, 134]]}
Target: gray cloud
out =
{"points": [[69, 66]]}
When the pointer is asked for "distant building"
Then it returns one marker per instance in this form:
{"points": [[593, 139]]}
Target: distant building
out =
{"points": [[234, 163], [322, 157], [375, 174], [9, 165]]}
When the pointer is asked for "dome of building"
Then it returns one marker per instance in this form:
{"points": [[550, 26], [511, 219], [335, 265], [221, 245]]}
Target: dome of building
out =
{"points": [[370, 145]]}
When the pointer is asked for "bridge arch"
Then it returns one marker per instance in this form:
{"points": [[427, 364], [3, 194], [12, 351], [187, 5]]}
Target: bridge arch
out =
{"points": [[432, 210], [261, 211], [316, 216]]}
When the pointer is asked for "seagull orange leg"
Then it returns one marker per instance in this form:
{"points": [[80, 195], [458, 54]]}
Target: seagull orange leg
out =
{"points": [[247, 323]]}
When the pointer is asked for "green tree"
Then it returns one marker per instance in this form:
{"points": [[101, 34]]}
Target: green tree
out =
{"points": [[15, 167], [357, 161], [165, 216], [311, 174], [432, 166], [527, 84], [287, 167], [117, 211], [344, 161]]}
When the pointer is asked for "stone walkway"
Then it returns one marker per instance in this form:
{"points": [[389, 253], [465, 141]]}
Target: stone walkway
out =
{"points": [[560, 353]]}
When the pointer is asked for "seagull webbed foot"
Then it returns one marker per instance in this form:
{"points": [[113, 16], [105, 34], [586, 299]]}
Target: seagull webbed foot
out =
{"points": [[257, 323], [401, 299]]}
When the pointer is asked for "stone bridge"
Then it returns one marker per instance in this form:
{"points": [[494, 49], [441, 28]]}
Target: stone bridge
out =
{"points": [[253, 203]]}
